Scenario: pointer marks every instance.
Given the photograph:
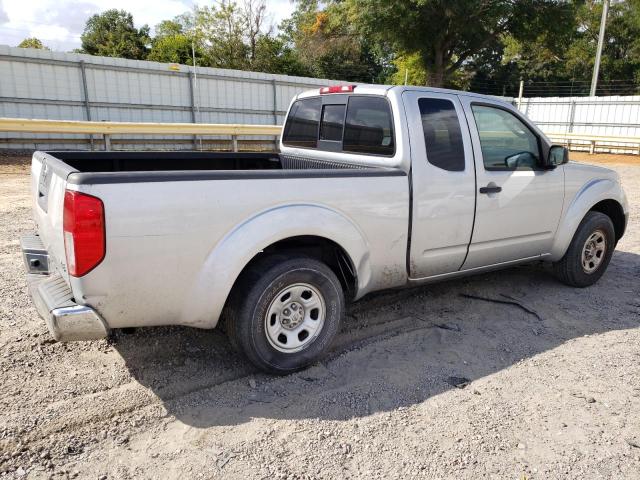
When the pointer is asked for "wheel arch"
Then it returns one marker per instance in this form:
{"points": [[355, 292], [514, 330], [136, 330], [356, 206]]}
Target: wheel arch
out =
{"points": [[316, 231], [602, 195], [320, 248], [612, 209]]}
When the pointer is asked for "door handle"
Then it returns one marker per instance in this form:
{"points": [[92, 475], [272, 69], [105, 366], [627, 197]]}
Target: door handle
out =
{"points": [[490, 189]]}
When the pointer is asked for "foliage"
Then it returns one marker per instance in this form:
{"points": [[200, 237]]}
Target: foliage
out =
{"points": [[561, 60], [329, 45], [447, 34], [173, 49], [225, 35], [274, 55], [409, 67], [113, 34], [173, 44], [483, 45], [621, 52], [33, 42], [221, 32]]}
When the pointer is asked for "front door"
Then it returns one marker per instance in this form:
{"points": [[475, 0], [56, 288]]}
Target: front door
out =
{"points": [[518, 203]]}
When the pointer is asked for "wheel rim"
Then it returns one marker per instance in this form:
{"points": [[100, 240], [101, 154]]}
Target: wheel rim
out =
{"points": [[295, 318], [594, 251]]}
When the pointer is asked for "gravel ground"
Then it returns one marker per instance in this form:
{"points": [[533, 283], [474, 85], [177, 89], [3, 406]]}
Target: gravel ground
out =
{"points": [[421, 383]]}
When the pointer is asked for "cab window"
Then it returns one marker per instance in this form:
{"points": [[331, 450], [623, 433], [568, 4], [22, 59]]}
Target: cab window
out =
{"points": [[351, 124], [332, 123], [506, 142], [442, 135], [301, 129], [368, 127]]}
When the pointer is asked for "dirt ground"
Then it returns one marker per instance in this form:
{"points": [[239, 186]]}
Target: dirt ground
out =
{"points": [[422, 383]]}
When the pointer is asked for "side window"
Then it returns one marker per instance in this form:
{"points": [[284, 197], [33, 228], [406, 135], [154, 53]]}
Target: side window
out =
{"points": [[301, 129], [506, 142], [368, 127], [332, 122], [442, 135]]}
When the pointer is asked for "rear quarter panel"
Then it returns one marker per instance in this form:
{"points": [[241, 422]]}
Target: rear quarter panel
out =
{"points": [[174, 248]]}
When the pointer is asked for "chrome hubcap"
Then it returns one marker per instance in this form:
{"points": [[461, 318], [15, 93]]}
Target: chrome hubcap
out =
{"points": [[594, 251], [295, 317]]}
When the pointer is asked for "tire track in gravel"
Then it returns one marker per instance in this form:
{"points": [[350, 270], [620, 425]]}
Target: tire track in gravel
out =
{"points": [[367, 323], [75, 413]]}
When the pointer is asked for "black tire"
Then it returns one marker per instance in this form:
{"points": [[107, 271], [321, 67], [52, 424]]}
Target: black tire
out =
{"points": [[569, 269], [258, 287]]}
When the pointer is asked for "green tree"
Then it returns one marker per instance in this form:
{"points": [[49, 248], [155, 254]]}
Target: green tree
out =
{"points": [[534, 49], [173, 44], [621, 53], [226, 35], [32, 42], [173, 49], [113, 34], [328, 45], [559, 61], [219, 31], [167, 28], [538, 51], [448, 34], [275, 55], [408, 67]]}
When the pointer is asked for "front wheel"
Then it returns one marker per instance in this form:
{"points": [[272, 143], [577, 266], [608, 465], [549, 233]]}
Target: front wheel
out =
{"points": [[589, 253], [285, 312]]}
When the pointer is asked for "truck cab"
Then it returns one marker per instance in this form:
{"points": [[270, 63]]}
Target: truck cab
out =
{"points": [[488, 188]]}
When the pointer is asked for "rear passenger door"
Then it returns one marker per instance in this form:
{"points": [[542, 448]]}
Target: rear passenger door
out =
{"points": [[443, 182]]}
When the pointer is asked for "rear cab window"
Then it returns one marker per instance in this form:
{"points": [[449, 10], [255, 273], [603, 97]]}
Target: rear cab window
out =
{"points": [[302, 125], [341, 123], [332, 122]]}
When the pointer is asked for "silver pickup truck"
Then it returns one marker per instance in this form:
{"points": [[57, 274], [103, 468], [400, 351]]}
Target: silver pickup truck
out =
{"points": [[375, 187]]}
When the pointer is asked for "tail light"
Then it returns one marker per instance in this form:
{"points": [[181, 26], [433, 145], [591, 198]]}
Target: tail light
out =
{"points": [[84, 234], [337, 89]]}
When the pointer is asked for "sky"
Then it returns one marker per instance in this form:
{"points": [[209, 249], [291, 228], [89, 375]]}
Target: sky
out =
{"points": [[59, 23]]}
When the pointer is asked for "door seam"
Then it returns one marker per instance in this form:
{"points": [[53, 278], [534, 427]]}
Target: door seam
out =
{"points": [[475, 182]]}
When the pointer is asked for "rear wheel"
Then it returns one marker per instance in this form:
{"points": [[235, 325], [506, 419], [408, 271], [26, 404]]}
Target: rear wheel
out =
{"points": [[589, 253], [285, 312]]}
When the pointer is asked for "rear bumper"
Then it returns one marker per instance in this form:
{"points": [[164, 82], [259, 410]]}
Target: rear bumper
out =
{"points": [[67, 321]]}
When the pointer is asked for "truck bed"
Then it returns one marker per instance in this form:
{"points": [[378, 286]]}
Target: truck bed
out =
{"points": [[92, 168], [181, 225], [167, 161], [101, 162]]}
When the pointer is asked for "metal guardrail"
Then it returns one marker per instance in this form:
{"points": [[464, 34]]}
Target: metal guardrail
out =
{"points": [[106, 129], [588, 140]]}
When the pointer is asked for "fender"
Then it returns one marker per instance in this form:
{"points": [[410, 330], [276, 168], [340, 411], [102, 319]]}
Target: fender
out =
{"points": [[228, 258], [588, 195]]}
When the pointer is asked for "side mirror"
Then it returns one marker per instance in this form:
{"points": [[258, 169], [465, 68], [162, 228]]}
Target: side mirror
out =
{"points": [[521, 160], [558, 155]]}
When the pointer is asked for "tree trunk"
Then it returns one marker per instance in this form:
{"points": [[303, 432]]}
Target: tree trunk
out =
{"points": [[436, 71]]}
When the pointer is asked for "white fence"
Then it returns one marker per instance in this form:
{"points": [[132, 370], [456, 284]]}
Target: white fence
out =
{"points": [[65, 86], [589, 116]]}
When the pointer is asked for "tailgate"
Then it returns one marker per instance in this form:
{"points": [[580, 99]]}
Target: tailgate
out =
{"points": [[48, 184]]}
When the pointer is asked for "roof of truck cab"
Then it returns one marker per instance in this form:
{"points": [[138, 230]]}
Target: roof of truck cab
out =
{"points": [[368, 89]]}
